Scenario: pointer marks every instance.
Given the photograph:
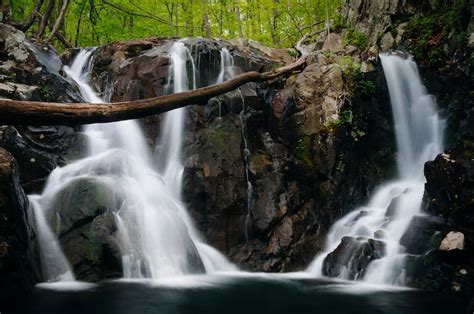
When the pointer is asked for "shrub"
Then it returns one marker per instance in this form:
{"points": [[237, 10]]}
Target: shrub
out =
{"points": [[354, 38]]}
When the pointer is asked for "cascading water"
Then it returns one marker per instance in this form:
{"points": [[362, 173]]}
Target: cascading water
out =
{"points": [[157, 237], [419, 132], [226, 72]]}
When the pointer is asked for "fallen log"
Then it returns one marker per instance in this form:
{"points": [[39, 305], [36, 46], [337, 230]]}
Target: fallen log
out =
{"points": [[16, 112]]}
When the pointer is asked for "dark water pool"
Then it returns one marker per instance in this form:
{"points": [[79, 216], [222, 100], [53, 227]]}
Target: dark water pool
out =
{"points": [[237, 294]]}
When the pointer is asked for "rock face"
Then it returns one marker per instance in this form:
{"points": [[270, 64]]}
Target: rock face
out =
{"points": [[27, 73], [16, 235]]}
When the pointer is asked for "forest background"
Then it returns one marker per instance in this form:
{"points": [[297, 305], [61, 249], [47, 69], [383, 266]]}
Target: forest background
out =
{"points": [[79, 23]]}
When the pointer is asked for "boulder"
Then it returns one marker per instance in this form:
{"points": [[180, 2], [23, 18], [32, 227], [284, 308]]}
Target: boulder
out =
{"points": [[453, 241], [351, 258], [81, 215], [422, 235]]}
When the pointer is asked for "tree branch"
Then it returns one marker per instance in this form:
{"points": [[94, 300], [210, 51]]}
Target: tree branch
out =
{"points": [[43, 113], [45, 19], [58, 21]]}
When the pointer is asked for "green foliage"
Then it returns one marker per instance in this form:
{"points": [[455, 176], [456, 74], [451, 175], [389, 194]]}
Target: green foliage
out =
{"points": [[364, 88], [277, 23], [434, 39], [345, 117], [349, 66], [354, 38]]}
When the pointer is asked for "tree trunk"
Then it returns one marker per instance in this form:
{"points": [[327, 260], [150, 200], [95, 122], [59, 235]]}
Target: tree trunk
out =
{"points": [[239, 20], [42, 113], [79, 21], [45, 19], [206, 26], [58, 21]]}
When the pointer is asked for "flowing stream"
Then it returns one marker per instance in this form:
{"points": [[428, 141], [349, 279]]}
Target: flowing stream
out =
{"points": [[156, 235], [419, 138]]}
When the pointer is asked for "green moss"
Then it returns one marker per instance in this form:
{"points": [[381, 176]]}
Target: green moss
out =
{"points": [[354, 38], [435, 39]]}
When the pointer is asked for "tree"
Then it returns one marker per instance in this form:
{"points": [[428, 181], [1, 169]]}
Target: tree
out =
{"points": [[277, 23]]}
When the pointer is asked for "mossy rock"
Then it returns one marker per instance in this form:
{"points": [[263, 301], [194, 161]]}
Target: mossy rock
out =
{"points": [[79, 203], [93, 249]]}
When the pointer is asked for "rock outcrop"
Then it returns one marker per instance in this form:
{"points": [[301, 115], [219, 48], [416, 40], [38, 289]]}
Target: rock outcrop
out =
{"points": [[28, 72], [449, 194], [17, 268]]}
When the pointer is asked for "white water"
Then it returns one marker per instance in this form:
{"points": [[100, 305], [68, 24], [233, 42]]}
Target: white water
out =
{"points": [[419, 136], [157, 237]]}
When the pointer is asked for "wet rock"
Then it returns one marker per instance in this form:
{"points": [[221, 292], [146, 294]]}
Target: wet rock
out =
{"points": [[81, 217], [448, 198], [17, 253], [392, 207], [79, 203], [93, 249], [41, 149], [352, 257], [447, 191], [215, 184], [421, 236]]}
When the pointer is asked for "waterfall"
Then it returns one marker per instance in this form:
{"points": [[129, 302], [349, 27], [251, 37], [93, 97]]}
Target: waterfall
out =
{"points": [[385, 219], [156, 234], [226, 72]]}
